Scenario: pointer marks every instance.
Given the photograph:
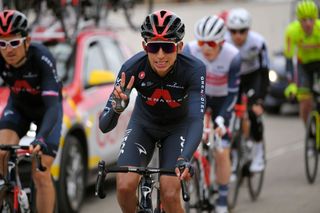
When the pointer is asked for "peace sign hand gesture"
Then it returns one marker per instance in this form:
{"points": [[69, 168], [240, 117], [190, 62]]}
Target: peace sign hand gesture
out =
{"points": [[121, 94]]}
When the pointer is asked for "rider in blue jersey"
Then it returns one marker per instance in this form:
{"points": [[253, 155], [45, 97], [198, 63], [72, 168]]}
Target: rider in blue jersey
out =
{"points": [[169, 108], [222, 62], [35, 96]]}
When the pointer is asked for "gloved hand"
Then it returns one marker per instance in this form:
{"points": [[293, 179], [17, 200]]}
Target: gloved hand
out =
{"points": [[291, 91], [221, 130], [41, 143], [181, 165], [119, 105], [121, 94]]}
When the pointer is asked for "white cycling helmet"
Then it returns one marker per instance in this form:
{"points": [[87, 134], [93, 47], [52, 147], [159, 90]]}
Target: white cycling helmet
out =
{"points": [[210, 28], [238, 19]]}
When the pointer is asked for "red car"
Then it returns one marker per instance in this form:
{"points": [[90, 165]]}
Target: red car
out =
{"points": [[88, 70]]}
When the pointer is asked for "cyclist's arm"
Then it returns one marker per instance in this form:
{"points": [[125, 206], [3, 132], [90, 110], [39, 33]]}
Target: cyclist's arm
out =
{"points": [[108, 118], [264, 72], [233, 87], [51, 95], [289, 50], [195, 112]]}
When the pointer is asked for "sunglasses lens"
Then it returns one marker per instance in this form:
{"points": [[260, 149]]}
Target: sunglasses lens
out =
{"points": [[3, 44], [15, 43], [209, 43], [241, 31], [166, 47]]}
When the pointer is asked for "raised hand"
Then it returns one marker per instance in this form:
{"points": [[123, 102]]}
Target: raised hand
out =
{"points": [[121, 94]]}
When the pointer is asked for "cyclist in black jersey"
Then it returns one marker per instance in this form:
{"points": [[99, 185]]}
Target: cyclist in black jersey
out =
{"points": [[169, 108], [35, 96]]}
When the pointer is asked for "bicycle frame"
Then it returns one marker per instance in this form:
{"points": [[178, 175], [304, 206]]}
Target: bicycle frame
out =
{"points": [[12, 179]]}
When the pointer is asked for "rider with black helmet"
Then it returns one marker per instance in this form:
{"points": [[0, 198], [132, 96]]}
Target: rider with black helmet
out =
{"points": [[169, 108], [35, 96]]}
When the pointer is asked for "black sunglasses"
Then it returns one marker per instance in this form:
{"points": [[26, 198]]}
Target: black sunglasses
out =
{"points": [[241, 31], [167, 47]]}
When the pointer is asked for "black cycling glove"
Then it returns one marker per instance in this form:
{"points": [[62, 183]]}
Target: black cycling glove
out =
{"points": [[182, 164], [41, 143], [120, 104]]}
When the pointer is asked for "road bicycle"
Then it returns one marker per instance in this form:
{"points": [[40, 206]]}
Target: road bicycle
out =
{"points": [[241, 155], [202, 187], [17, 192], [134, 10], [146, 185], [312, 138]]}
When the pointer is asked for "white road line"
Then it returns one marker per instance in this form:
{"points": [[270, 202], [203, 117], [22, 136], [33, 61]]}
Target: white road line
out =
{"points": [[284, 150]]}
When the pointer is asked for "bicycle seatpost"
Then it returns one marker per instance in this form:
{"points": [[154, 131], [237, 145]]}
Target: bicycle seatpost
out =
{"points": [[99, 191]]}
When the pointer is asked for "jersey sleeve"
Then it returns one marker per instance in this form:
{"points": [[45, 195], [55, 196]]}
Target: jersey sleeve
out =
{"points": [[289, 43], [196, 111], [50, 92], [233, 87]]}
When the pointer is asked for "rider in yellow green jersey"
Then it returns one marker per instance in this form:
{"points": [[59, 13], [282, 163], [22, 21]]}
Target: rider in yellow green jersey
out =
{"points": [[303, 41]]}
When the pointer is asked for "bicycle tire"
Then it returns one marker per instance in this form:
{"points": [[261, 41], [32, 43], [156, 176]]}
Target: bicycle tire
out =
{"points": [[311, 154], [7, 203], [234, 186], [129, 8], [194, 204], [253, 185]]}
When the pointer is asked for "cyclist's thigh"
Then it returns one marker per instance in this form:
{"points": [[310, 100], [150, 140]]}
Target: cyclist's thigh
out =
{"points": [[53, 138], [173, 145], [13, 125], [137, 145]]}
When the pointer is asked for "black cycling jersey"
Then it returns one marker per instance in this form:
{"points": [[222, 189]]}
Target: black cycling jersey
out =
{"points": [[177, 98], [35, 91]]}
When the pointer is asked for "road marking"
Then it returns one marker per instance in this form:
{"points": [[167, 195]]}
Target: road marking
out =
{"points": [[284, 150]]}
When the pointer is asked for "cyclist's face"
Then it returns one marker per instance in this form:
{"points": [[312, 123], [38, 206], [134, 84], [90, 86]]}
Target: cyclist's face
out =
{"points": [[239, 36], [210, 52], [307, 25], [13, 48], [162, 56]]}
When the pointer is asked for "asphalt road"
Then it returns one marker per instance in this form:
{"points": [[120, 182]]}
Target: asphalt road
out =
{"points": [[285, 188]]}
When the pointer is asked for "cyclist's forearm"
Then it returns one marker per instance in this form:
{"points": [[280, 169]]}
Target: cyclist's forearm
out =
{"points": [[289, 68], [193, 138], [108, 119], [49, 120], [228, 105]]}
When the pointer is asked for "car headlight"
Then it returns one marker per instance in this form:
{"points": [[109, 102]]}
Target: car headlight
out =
{"points": [[273, 76]]}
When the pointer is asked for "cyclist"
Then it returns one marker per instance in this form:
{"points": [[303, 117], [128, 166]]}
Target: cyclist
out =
{"points": [[29, 71], [302, 40], [253, 75], [169, 107], [222, 62]]}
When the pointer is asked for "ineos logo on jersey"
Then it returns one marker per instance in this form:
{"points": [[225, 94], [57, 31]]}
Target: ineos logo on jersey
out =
{"points": [[175, 85], [162, 94], [30, 75], [23, 85]]}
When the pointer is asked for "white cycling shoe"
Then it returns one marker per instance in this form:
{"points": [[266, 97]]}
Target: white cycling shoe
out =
{"points": [[258, 163], [221, 209]]}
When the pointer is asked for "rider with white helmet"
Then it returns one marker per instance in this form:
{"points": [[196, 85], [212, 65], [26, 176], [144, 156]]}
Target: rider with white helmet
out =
{"points": [[254, 75], [222, 62]]}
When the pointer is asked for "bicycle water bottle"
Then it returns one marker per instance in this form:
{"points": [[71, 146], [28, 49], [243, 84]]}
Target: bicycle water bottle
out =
{"points": [[23, 201]]}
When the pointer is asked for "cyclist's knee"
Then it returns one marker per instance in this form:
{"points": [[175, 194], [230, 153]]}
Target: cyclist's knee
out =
{"points": [[42, 179], [127, 184], [170, 189]]}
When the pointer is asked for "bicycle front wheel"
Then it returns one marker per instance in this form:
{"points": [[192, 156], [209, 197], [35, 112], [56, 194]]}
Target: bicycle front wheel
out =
{"points": [[310, 151], [135, 11], [194, 204]]}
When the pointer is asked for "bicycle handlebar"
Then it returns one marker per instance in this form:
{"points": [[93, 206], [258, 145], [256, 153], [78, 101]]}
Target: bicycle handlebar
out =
{"points": [[13, 148], [102, 172]]}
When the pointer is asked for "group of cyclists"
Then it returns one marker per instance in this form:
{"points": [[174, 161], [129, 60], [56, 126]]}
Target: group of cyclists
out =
{"points": [[176, 84]]}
